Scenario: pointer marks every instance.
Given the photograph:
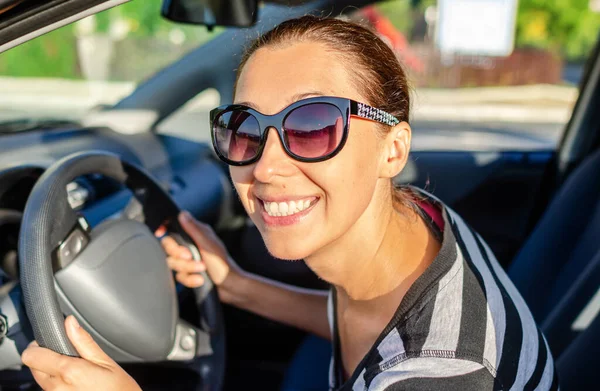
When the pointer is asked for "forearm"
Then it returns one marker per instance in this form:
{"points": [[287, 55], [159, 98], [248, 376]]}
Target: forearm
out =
{"points": [[305, 309]]}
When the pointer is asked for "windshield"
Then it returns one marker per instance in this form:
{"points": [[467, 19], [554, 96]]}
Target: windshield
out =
{"points": [[94, 62], [489, 67], [482, 71]]}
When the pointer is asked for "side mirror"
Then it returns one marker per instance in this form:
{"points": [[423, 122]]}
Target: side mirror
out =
{"points": [[235, 13]]}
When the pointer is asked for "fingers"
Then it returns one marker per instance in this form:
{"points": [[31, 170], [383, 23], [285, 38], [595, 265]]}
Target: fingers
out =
{"points": [[45, 381], [161, 231], [199, 232], [44, 360], [53, 371], [202, 235], [84, 343], [174, 249], [187, 271], [190, 280], [55, 364], [185, 265], [179, 258]]}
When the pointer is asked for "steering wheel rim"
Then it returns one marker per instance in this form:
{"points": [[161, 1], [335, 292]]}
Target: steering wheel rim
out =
{"points": [[48, 220]]}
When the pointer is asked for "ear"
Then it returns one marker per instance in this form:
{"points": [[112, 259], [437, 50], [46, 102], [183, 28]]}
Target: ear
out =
{"points": [[396, 148]]}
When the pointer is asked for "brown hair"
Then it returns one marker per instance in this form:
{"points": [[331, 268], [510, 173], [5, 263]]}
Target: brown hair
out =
{"points": [[379, 76]]}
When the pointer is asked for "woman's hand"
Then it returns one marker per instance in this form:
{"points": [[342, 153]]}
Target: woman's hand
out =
{"points": [[94, 371], [215, 259]]}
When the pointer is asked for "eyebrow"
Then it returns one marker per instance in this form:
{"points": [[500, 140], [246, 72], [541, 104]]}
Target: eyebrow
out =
{"points": [[295, 98]]}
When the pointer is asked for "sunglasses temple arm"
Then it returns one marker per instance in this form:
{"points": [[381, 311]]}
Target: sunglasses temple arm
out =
{"points": [[353, 107]]}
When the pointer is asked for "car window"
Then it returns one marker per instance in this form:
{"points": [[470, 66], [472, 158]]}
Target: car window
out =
{"points": [[500, 66], [191, 120], [95, 61]]}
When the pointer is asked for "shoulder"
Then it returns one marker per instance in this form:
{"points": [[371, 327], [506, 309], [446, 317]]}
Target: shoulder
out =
{"points": [[495, 325], [468, 309], [461, 325], [433, 373]]}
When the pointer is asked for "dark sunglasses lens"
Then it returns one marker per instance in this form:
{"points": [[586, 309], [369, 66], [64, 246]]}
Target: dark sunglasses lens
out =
{"points": [[314, 130], [237, 135]]}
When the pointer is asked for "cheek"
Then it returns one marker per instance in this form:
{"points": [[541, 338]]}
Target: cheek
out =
{"points": [[351, 190], [350, 177], [242, 178], [358, 161]]}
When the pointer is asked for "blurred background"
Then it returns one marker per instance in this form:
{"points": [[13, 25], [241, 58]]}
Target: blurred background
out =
{"points": [[492, 64]]}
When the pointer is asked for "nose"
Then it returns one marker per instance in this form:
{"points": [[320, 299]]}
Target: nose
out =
{"points": [[274, 161]]}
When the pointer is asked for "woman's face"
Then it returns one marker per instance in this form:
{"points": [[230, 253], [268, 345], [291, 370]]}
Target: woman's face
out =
{"points": [[337, 191]]}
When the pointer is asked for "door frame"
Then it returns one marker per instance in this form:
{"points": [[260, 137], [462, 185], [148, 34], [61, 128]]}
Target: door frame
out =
{"points": [[25, 22]]}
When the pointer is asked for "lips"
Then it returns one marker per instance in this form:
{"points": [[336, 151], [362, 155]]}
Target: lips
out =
{"points": [[282, 211]]}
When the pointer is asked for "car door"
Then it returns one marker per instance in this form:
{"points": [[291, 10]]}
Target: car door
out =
{"points": [[21, 20]]}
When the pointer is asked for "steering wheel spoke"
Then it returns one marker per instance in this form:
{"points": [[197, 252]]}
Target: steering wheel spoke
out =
{"points": [[73, 245], [190, 342]]}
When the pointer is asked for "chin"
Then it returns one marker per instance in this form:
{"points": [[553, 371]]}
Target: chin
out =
{"points": [[287, 251]]}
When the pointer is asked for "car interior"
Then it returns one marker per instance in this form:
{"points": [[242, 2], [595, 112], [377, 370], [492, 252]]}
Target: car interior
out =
{"points": [[538, 209]]}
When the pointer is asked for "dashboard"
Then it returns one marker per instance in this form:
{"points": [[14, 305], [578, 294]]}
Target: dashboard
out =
{"points": [[188, 170], [183, 167]]}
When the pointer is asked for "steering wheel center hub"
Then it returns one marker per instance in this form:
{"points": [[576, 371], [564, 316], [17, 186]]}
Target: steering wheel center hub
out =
{"points": [[122, 286]]}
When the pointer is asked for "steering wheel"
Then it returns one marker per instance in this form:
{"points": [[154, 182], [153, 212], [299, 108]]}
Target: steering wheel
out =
{"points": [[114, 278]]}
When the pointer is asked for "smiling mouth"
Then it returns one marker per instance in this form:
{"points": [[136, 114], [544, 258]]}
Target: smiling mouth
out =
{"points": [[287, 208]]}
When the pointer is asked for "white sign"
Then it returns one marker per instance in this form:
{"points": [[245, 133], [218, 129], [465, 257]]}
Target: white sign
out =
{"points": [[476, 27]]}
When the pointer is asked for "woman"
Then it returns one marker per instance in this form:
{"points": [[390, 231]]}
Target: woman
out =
{"points": [[318, 130]]}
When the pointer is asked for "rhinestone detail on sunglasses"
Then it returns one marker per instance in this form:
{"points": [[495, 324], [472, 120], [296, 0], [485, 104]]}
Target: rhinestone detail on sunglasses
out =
{"points": [[376, 114]]}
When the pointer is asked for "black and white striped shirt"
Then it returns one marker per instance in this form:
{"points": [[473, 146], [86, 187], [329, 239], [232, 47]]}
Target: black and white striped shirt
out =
{"points": [[462, 325]]}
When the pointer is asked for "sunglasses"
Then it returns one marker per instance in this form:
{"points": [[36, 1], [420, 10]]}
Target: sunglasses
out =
{"points": [[311, 130]]}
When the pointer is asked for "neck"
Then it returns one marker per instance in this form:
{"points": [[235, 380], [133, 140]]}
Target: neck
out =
{"points": [[371, 261]]}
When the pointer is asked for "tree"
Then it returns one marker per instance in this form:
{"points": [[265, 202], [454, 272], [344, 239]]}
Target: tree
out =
{"points": [[567, 27], [51, 55], [55, 54]]}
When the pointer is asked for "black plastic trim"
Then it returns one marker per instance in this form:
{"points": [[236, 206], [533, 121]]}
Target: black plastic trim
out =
{"points": [[31, 16]]}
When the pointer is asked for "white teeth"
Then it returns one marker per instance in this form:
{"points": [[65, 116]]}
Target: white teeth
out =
{"points": [[272, 208], [283, 208], [286, 208]]}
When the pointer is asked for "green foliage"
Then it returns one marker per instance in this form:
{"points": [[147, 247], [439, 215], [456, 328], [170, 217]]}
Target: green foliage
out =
{"points": [[399, 13], [51, 55], [567, 27], [143, 18], [55, 54]]}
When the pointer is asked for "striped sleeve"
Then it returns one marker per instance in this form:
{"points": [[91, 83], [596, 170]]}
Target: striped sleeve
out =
{"points": [[434, 373]]}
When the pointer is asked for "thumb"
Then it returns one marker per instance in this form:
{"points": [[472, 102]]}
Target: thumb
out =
{"points": [[193, 228], [87, 348]]}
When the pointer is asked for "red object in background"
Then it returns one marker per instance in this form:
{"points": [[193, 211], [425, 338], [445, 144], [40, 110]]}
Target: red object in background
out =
{"points": [[397, 40]]}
